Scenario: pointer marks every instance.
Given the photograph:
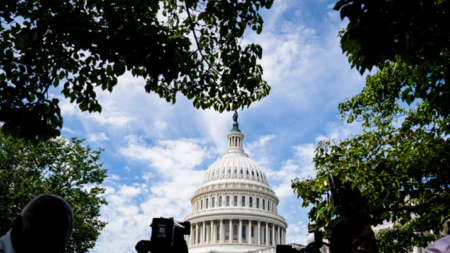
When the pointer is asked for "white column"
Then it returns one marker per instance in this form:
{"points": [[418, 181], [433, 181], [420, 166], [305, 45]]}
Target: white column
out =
{"points": [[196, 233], [211, 239], [284, 236], [259, 232], [191, 236], [279, 235], [202, 239], [273, 235], [208, 233], [240, 231], [230, 232], [267, 234], [249, 235], [220, 231]]}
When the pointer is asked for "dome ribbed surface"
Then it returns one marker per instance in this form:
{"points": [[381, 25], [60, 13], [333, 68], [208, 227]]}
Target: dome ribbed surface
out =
{"points": [[235, 166]]}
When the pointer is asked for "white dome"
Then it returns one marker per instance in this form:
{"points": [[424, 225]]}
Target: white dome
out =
{"points": [[234, 166], [234, 209]]}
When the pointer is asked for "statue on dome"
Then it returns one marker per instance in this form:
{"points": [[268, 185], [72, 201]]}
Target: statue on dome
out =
{"points": [[235, 116]]}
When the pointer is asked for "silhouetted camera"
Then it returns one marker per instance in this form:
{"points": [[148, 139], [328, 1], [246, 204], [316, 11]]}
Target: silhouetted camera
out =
{"points": [[348, 202], [312, 247], [167, 236]]}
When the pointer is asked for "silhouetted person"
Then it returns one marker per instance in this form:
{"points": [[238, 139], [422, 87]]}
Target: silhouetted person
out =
{"points": [[44, 225], [353, 236], [442, 245]]}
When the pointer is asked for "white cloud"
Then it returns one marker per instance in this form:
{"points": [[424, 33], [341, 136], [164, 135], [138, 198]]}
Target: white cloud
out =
{"points": [[97, 137], [160, 124], [166, 157], [147, 176], [171, 165], [114, 177], [297, 233], [252, 147], [126, 168], [66, 129]]}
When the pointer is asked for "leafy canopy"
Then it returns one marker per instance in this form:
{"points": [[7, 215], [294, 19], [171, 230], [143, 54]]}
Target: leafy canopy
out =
{"points": [[402, 168], [58, 166], [400, 161], [83, 44]]}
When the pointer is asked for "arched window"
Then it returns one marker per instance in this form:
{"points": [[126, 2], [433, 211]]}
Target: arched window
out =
{"points": [[257, 202], [223, 171], [235, 231], [220, 201], [242, 171], [268, 205], [235, 201], [264, 206], [227, 232], [198, 236], [228, 200], [235, 171], [213, 202], [250, 202], [251, 232], [207, 203], [213, 173], [229, 171], [257, 174], [243, 231], [253, 173], [218, 233], [243, 201], [201, 205], [247, 172]]}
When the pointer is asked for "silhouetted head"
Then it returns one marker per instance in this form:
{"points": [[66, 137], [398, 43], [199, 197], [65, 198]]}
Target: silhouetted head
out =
{"points": [[353, 236], [45, 225]]}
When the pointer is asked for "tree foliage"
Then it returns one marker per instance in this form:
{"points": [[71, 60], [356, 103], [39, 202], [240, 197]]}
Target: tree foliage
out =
{"points": [[400, 161], [83, 44], [396, 31], [58, 166]]}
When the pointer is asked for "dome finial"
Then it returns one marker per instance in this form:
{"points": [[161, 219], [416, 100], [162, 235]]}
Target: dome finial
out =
{"points": [[235, 124]]}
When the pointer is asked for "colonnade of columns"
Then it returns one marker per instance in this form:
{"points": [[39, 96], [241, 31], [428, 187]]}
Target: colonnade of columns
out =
{"points": [[241, 231]]}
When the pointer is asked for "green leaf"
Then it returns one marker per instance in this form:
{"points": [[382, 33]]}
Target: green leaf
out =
{"points": [[119, 68]]}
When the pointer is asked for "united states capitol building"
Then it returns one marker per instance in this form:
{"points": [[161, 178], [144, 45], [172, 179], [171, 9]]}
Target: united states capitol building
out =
{"points": [[235, 210]]}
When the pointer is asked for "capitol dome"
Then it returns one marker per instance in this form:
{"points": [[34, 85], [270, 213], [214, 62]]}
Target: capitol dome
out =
{"points": [[234, 210]]}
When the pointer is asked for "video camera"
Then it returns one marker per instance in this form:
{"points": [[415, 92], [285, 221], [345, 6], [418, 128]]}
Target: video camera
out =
{"points": [[312, 247], [167, 236], [348, 202]]}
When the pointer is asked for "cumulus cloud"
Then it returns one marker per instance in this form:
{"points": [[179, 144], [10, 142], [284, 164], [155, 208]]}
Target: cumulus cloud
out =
{"points": [[160, 124], [97, 137], [66, 129], [171, 178], [114, 177], [297, 233]]}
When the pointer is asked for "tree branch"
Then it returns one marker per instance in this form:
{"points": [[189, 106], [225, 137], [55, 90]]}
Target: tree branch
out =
{"points": [[196, 40], [402, 207]]}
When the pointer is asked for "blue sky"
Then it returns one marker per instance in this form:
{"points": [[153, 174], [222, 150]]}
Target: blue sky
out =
{"points": [[156, 152]]}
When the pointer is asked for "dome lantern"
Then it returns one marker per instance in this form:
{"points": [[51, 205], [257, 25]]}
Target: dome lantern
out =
{"points": [[235, 138]]}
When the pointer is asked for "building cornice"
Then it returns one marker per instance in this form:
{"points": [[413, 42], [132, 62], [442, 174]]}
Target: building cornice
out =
{"points": [[255, 215]]}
